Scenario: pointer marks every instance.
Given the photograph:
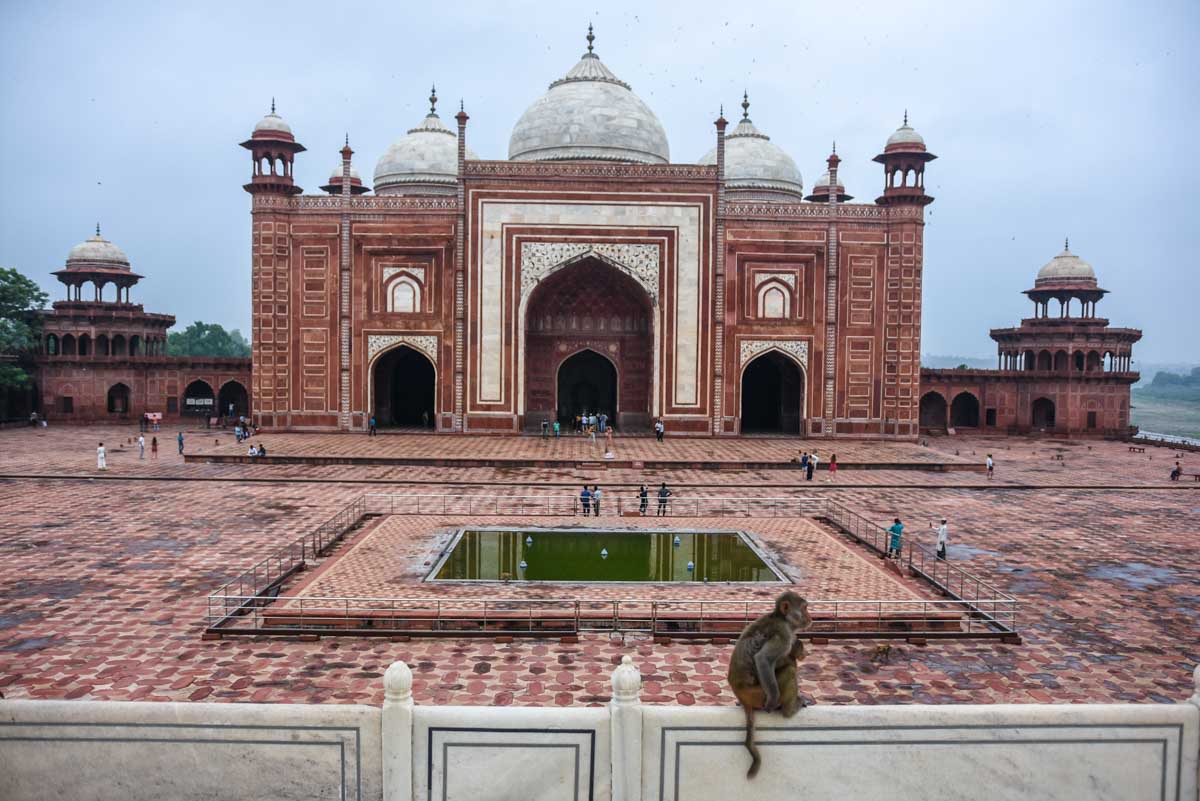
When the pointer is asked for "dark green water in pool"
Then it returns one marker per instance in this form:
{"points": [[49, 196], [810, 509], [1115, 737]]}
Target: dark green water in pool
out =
{"points": [[577, 556]]}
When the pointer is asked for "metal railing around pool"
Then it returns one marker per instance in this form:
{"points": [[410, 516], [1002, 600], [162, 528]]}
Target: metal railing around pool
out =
{"points": [[670, 618], [251, 603]]}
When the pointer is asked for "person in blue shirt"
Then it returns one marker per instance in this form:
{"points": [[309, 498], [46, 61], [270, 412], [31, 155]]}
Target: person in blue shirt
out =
{"points": [[585, 500], [896, 533]]}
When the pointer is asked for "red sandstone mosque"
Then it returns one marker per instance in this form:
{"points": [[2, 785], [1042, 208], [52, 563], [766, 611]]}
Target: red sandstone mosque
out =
{"points": [[589, 273]]}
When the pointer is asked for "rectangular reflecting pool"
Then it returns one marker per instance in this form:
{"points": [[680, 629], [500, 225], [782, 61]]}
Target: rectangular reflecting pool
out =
{"points": [[594, 555]]}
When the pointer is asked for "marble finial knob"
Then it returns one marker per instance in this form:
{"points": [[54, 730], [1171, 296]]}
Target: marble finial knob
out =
{"points": [[626, 682], [397, 684]]}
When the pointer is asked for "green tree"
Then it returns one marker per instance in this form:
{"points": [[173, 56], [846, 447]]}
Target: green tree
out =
{"points": [[207, 339], [20, 328]]}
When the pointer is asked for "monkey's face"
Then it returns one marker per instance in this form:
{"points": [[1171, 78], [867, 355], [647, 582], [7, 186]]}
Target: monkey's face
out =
{"points": [[795, 609]]}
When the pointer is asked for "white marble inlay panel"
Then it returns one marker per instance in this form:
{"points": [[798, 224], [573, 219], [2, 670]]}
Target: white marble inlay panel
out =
{"points": [[492, 303], [968, 753], [425, 343], [470, 754], [640, 262], [749, 348], [787, 278], [415, 272]]}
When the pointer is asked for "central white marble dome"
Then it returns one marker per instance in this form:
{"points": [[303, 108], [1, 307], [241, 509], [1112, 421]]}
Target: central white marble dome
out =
{"points": [[589, 114], [1066, 266]]}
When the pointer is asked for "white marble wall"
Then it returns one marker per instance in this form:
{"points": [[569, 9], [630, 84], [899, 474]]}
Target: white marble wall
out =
{"points": [[627, 751], [84, 750]]}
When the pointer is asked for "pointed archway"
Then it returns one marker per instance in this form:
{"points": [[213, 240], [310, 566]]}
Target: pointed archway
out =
{"points": [[933, 411], [964, 411], [772, 395], [588, 307], [1042, 413], [404, 384], [586, 383]]}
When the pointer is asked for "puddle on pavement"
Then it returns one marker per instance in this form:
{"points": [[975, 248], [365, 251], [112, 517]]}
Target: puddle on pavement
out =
{"points": [[1136, 574]]}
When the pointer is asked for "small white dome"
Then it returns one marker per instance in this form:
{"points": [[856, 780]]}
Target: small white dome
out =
{"points": [[272, 123], [97, 251], [1066, 266], [426, 155], [823, 181], [336, 175], [589, 114], [754, 162], [905, 135]]}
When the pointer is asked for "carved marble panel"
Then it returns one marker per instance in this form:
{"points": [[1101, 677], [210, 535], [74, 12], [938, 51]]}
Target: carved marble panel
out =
{"points": [[425, 343], [749, 348]]}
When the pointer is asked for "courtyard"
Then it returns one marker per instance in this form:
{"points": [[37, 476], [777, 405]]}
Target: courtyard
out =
{"points": [[106, 576]]}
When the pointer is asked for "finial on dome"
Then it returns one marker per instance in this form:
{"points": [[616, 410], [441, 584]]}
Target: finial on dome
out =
{"points": [[906, 118], [97, 229], [433, 99], [461, 107], [347, 139], [835, 147], [1067, 244], [590, 37], [272, 105], [721, 111], [745, 105]]}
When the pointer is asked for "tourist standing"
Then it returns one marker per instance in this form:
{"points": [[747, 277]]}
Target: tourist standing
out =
{"points": [[596, 500], [813, 462], [643, 500], [663, 494], [833, 467], [180, 443], [991, 466], [557, 428], [943, 537], [154, 447], [659, 429], [809, 466], [804, 460], [371, 432], [585, 500], [141, 447], [603, 421], [101, 462], [895, 538]]}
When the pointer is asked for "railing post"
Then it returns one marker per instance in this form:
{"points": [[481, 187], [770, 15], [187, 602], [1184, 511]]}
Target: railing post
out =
{"points": [[397, 733], [626, 729]]}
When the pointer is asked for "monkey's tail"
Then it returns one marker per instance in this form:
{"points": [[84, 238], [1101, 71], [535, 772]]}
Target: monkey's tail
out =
{"points": [[755, 759]]}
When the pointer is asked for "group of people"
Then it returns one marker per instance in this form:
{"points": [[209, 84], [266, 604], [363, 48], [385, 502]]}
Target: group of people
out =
{"points": [[896, 539], [809, 461], [243, 429], [35, 420], [589, 499]]}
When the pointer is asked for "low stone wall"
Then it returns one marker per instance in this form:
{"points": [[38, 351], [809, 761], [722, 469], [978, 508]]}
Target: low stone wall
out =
{"points": [[622, 751]]}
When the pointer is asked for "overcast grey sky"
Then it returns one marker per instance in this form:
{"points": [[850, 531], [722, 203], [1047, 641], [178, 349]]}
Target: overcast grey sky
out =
{"points": [[1049, 119]]}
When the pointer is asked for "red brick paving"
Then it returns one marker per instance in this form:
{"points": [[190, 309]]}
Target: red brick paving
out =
{"points": [[102, 591]]}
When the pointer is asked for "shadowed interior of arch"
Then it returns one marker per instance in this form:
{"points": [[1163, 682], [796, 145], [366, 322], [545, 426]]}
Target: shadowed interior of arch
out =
{"points": [[587, 383], [772, 395], [404, 389]]}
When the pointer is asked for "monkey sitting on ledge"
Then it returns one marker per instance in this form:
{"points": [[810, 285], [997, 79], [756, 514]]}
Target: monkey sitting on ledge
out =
{"points": [[762, 669]]}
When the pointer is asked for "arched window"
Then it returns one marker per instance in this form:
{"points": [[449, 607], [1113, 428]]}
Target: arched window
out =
{"points": [[774, 301], [52, 344], [1078, 360], [68, 345], [1045, 361], [85, 345], [1030, 360], [135, 345], [405, 296], [1061, 361], [102, 347]]}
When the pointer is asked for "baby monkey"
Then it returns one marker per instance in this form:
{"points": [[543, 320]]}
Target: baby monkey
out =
{"points": [[762, 670]]}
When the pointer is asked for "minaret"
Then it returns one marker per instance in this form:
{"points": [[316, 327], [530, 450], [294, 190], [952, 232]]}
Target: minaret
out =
{"points": [[903, 159], [272, 148]]}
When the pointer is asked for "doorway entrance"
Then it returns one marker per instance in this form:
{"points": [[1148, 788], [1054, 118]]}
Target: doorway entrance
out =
{"points": [[772, 395], [405, 389], [1043, 413], [587, 383]]}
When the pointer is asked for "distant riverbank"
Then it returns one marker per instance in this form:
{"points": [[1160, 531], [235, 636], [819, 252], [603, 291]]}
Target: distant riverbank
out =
{"points": [[1166, 416]]}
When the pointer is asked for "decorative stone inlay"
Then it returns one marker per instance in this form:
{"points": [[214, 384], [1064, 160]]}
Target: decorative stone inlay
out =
{"points": [[585, 169], [753, 347], [787, 278], [639, 261], [416, 272], [425, 343]]}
